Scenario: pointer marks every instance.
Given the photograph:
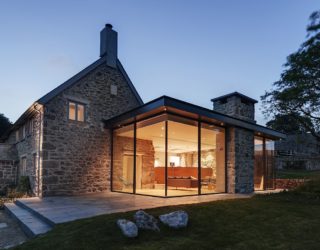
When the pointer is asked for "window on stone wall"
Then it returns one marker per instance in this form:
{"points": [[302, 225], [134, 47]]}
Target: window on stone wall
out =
{"points": [[34, 161], [23, 166], [17, 135], [23, 131], [30, 127], [76, 111]]}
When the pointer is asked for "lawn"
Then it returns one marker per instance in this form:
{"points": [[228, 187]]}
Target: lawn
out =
{"points": [[297, 174], [288, 220]]}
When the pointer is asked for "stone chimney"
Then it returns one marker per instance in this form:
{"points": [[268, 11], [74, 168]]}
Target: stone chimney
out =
{"points": [[236, 105], [109, 45]]}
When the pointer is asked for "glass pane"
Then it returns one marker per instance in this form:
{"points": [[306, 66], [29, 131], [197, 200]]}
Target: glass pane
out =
{"points": [[72, 111], [270, 171], [80, 111], [123, 149], [182, 157], [212, 159], [150, 159], [259, 177]]}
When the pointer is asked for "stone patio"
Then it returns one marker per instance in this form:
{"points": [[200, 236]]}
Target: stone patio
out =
{"points": [[63, 209], [39, 215]]}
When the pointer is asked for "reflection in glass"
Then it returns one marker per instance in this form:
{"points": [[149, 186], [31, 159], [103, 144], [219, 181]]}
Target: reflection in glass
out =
{"points": [[182, 157], [259, 177], [150, 158], [123, 151], [212, 159], [270, 172]]}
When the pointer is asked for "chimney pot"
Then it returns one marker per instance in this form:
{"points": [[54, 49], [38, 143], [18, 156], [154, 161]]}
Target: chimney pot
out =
{"points": [[108, 25]]}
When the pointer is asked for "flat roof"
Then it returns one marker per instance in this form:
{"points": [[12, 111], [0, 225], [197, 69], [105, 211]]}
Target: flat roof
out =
{"points": [[166, 104]]}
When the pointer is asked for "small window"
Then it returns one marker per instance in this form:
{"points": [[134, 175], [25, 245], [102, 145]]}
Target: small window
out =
{"points": [[17, 135], [23, 170], [34, 159], [24, 131], [30, 127], [76, 111]]}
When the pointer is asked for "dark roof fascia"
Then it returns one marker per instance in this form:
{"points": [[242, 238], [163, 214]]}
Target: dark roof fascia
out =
{"points": [[125, 75], [234, 94], [188, 107], [46, 98]]}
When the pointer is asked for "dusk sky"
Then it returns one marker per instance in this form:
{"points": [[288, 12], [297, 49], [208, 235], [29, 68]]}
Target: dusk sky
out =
{"points": [[190, 50]]}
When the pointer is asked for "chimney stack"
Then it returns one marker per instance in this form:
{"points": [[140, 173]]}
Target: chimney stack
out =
{"points": [[109, 45], [236, 105]]}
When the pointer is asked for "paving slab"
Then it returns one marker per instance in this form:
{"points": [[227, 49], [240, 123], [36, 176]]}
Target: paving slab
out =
{"points": [[30, 223], [60, 209], [11, 235]]}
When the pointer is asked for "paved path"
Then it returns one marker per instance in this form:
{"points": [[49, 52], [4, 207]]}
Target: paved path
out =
{"points": [[62, 209], [10, 232]]}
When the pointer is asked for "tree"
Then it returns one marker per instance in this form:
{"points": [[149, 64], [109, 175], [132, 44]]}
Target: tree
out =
{"points": [[5, 124], [287, 124], [297, 93]]}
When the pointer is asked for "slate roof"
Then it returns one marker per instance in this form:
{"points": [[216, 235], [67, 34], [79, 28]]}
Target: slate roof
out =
{"points": [[46, 98]]}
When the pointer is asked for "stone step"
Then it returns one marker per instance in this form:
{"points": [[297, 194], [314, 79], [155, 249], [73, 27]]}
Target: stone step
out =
{"points": [[34, 212], [30, 223]]}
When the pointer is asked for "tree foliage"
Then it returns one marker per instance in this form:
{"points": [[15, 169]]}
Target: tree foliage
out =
{"points": [[297, 93], [288, 124], [5, 124]]}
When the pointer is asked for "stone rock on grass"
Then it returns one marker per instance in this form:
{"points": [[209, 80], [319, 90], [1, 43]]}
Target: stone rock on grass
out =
{"points": [[146, 221], [177, 219], [128, 228]]}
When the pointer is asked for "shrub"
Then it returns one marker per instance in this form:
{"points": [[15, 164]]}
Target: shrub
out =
{"points": [[24, 185]]}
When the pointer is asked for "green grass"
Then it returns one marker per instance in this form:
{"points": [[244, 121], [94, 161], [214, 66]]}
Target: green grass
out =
{"points": [[297, 174], [287, 220]]}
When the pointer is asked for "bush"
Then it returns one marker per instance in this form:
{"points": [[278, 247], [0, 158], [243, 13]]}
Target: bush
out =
{"points": [[311, 186], [24, 185]]}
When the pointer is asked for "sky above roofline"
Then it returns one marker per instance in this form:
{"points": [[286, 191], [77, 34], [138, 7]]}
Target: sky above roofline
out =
{"points": [[191, 50]]}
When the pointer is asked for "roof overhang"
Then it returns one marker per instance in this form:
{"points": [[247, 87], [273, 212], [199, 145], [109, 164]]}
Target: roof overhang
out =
{"points": [[170, 105]]}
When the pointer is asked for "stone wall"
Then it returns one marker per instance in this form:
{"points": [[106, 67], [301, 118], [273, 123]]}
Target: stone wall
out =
{"points": [[240, 160], [235, 107], [76, 155], [8, 174], [289, 183], [29, 147], [8, 166], [145, 150], [299, 151]]}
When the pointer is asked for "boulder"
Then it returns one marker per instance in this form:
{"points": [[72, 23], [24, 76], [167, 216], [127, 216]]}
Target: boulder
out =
{"points": [[146, 221], [177, 219], [128, 228]]}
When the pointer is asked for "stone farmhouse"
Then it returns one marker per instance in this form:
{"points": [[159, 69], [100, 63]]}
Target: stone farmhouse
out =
{"points": [[94, 133]]}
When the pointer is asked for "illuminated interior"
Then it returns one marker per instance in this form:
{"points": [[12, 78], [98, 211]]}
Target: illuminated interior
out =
{"points": [[160, 157]]}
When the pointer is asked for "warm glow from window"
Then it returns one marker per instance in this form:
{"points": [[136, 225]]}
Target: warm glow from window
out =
{"points": [[76, 112], [80, 111], [72, 111]]}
